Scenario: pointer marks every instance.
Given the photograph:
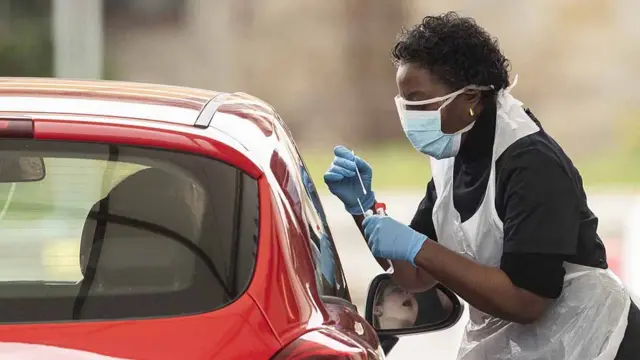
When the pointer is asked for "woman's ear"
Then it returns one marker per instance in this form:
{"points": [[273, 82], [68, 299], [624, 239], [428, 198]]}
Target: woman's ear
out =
{"points": [[472, 98], [377, 310]]}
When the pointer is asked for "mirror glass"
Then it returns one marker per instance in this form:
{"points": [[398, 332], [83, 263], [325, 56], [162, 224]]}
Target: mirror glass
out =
{"points": [[395, 308], [15, 169]]}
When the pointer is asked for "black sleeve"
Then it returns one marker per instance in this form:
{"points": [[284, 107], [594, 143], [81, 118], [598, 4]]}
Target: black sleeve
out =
{"points": [[422, 221], [540, 212], [630, 346], [541, 274], [538, 204]]}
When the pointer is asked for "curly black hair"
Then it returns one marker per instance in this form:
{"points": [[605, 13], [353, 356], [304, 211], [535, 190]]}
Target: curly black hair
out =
{"points": [[456, 50]]}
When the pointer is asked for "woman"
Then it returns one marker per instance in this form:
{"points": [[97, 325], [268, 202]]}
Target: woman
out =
{"points": [[505, 222]]}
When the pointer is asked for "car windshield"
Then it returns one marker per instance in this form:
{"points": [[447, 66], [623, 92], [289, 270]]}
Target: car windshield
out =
{"points": [[110, 228]]}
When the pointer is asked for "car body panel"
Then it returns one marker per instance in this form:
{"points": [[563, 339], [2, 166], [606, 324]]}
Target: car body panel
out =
{"points": [[282, 301], [189, 337]]}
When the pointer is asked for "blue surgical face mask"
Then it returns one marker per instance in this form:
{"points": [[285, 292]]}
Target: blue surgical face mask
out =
{"points": [[424, 127]]}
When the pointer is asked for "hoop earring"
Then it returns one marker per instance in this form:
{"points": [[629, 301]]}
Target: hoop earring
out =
{"points": [[471, 112]]}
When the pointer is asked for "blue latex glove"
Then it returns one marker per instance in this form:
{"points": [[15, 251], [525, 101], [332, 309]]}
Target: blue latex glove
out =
{"points": [[342, 180], [391, 239]]}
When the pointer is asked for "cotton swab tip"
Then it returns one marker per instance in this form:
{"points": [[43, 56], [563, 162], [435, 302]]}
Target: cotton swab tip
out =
{"points": [[364, 190]]}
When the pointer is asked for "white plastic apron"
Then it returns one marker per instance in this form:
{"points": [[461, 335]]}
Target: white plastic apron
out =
{"points": [[586, 322]]}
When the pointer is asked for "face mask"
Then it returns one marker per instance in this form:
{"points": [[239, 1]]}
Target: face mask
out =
{"points": [[424, 127]]}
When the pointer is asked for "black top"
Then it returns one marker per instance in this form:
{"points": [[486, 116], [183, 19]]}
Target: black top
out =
{"points": [[539, 198]]}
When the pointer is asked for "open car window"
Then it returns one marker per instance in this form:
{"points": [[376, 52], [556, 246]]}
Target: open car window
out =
{"points": [[116, 232], [329, 273]]}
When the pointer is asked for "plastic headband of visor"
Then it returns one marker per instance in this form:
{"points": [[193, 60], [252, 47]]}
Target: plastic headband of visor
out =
{"points": [[401, 103]]}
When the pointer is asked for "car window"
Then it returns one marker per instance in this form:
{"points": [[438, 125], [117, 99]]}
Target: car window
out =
{"points": [[327, 261], [115, 232], [329, 273]]}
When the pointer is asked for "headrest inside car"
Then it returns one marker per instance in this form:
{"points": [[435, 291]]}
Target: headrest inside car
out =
{"points": [[137, 217]]}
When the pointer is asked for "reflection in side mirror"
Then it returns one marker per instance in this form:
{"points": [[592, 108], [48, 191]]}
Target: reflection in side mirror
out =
{"points": [[392, 310], [15, 169], [395, 308]]}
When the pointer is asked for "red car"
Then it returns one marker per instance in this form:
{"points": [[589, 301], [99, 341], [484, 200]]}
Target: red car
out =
{"points": [[144, 221]]}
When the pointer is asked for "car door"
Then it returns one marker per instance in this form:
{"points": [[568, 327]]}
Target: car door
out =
{"points": [[331, 281]]}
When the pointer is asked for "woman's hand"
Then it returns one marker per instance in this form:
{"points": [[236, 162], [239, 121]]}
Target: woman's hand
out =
{"points": [[391, 239], [486, 288], [343, 182]]}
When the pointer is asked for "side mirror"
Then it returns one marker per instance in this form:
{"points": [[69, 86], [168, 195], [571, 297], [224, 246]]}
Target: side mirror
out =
{"points": [[393, 311], [14, 169]]}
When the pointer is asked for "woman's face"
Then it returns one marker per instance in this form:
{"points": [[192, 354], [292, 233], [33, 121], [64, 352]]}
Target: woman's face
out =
{"points": [[416, 83], [398, 308]]}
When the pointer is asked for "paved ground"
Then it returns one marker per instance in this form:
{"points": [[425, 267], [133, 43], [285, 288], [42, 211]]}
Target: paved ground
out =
{"points": [[360, 267]]}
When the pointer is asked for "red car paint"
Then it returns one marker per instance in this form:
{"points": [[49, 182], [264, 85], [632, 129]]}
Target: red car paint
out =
{"points": [[613, 256], [282, 308]]}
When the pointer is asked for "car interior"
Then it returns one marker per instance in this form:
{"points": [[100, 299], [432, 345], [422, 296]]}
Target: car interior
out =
{"points": [[126, 252], [123, 248], [116, 258]]}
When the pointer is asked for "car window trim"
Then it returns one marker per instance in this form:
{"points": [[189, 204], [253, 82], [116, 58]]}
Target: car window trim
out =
{"points": [[235, 232]]}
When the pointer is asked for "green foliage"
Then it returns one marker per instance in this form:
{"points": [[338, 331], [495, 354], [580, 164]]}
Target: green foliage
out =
{"points": [[27, 49], [628, 131], [109, 71], [619, 165], [397, 166]]}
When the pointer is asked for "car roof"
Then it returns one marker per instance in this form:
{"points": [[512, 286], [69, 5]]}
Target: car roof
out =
{"points": [[109, 94], [117, 100]]}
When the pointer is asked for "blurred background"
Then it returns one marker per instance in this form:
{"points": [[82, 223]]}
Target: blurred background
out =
{"points": [[324, 65]]}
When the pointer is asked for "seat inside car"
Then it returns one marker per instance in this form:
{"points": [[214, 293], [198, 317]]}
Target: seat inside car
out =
{"points": [[125, 242]]}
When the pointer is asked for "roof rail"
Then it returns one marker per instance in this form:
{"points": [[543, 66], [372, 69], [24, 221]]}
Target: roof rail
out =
{"points": [[209, 110]]}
